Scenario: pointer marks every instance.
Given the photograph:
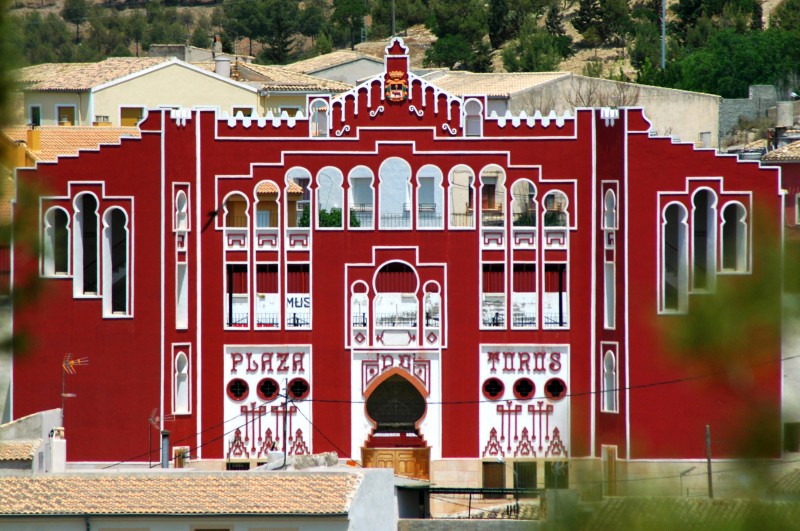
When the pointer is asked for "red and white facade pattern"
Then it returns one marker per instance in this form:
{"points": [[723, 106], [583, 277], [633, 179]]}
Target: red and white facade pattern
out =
{"points": [[508, 272]]}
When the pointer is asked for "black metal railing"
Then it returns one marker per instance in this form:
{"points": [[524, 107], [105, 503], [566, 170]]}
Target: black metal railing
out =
{"points": [[496, 320], [360, 321], [432, 321], [396, 221], [429, 218], [237, 319], [364, 217], [392, 320], [298, 320], [555, 319], [520, 319], [271, 320]]}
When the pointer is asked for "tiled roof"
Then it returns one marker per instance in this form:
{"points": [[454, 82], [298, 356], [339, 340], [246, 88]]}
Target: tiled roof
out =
{"points": [[179, 493], [689, 513], [18, 450], [281, 78], [68, 140], [83, 76], [270, 188], [788, 153], [329, 60], [498, 85]]}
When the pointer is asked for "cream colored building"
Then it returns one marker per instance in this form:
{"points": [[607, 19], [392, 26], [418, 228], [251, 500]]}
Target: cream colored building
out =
{"points": [[117, 91]]}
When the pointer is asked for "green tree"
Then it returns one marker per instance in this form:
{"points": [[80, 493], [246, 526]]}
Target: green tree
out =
{"points": [[323, 44], [350, 14], [554, 24], [535, 51], [460, 27], [280, 24], [75, 11], [499, 23], [201, 34], [135, 27], [786, 15], [244, 19], [46, 39], [312, 18]]}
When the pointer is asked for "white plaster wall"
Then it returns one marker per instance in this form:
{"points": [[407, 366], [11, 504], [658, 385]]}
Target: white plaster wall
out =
{"points": [[253, 369], [374, 506], [395, 187], [509, 368], [351, 72]]}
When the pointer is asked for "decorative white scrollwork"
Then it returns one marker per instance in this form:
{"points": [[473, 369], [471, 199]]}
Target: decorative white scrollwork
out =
{"points": [[416, 111], [343, 130], [376, 112], [449, 129]]}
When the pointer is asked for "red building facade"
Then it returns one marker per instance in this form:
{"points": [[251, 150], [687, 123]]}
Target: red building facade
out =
{"points": [[394, 276]]}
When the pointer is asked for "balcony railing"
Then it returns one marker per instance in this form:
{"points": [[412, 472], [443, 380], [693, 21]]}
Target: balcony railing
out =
{"points": [[555, 319], [461, 220], [270, 320], [497, 320], [298, 320], [237, 319], [522, 320], [360, 321], [492, 218], [432, 321], [396, 221], [429, 218], [363, 213], [392, 320]]}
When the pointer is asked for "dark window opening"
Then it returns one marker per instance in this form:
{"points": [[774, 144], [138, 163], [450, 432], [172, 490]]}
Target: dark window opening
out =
{"points": [[238, 389], [556, 475], [494, 477], [555, 389], [119, 262], [36, 116], [237, 466], [524, 389], [525, 476], [60, 242], [493, 389], [88, 210], [299, 388], [268, 389]]}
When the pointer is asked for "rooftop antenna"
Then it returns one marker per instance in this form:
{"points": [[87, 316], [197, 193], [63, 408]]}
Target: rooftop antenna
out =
{"points": [[68, 365]]}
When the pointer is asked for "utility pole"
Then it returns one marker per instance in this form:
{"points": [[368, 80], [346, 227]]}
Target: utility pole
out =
{"points": [[708, 462], [285, 412]]}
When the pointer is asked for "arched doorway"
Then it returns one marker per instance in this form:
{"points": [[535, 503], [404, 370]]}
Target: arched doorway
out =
{"points": [[395, 405]]}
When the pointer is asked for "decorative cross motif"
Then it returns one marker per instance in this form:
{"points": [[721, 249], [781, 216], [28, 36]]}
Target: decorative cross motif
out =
{"points": [[268, 444], [556, 447], [539, 411], [525, 447], [299, 446], [279, 412], [493, 447], [507, 415], [250, 415], [237, 448]]}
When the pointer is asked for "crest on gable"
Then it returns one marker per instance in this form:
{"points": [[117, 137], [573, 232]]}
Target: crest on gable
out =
{"points": [[396, 86]]}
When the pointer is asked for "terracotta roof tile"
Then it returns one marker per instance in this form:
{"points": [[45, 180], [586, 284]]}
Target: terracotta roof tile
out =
{"points": [[501, 85], [83, 76], [68, 140], [788, 153], [279, 78], [329, 60], [267, 187], [18, 450], [179, 493]]}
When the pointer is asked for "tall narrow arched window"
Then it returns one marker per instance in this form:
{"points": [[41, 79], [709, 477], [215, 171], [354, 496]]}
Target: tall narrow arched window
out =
{"points": [[734, 237], [330, 198], [610, 383], [555, 214], [266, 206], [181, 383], [319, 118], [523, 203], [361, 197], [610, 211], [462, 197], [473, 118], [85, 248], [674, 257], [235, 211], [56, 242], [181, 211], [395, 304], [116, 262], [704, 239], [493, 197], [430, 198], [394, 199], [298, 198]]}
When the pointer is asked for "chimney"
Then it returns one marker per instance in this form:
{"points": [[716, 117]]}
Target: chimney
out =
{"points": [[164, 449], [57, 451], [34, 139], [222, 66], [216, 47]]}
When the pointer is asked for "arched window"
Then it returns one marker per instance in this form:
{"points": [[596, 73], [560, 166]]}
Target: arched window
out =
{"points": [[85, 246], [319, 118], [704, 239], [674, 256], [330, 198], [734, 237], [361, 197], [181, 211], [493, 197], [432, 303], [555, 205], [610, 211], [359, 311], [266, 205], [56, 242], [430, 198], [116, 262], [395, 304], [462, 197], [298, 197], [181, 383], [610, 383], [394, 200], [235, 211], [523, 203], [473, 118]]}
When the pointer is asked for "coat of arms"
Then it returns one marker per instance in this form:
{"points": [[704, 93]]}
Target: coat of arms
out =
{"points": [[396, 86]]}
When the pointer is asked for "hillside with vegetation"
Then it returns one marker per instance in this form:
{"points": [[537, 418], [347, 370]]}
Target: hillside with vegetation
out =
{"points": [[714, 46]]}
